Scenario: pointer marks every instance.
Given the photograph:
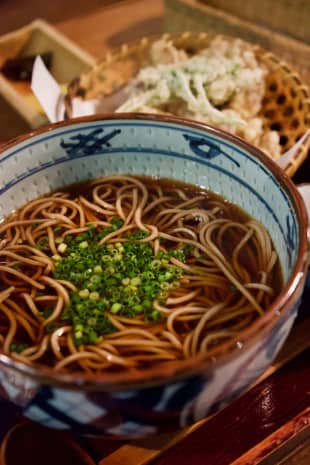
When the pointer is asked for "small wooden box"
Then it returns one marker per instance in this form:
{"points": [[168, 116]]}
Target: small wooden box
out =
{"points": [[68, 61]]}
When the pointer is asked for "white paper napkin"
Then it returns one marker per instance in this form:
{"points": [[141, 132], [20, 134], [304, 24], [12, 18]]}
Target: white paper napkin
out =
{"points": [[48, 92]]}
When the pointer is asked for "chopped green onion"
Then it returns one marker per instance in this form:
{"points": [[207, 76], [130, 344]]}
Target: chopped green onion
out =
{"points": [[94, 296], [135, 281], [98, 269], [126, 282], [18, 348], [116, 307], [84, 293], [62, 247]]}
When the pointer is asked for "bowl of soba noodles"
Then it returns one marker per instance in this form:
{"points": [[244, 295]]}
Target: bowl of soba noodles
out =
{"points": [[151, 269]]}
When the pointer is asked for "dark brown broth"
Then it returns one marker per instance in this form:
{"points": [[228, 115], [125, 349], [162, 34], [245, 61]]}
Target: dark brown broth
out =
{"points": [[228, 210]]}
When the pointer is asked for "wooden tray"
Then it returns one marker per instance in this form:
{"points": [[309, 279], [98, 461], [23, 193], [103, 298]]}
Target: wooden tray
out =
{"points": [[285, 432], [268, 425]]}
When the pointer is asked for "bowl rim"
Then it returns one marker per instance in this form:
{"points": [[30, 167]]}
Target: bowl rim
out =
{"points": [[267, 57], [201, 363]]}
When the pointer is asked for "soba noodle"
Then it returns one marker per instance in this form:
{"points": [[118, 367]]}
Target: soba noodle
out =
{"points": [[124, 272]]}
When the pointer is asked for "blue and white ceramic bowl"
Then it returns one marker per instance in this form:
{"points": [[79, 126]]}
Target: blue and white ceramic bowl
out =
{"points": [[182, 392]]}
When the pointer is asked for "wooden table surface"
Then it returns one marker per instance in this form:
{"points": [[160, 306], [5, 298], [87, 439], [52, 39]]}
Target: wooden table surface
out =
{"points": [[97, 26], [270, 424], [110, 26]]}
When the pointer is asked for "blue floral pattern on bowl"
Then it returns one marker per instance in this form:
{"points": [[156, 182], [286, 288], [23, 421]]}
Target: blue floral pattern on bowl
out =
{"points": [[79, 150]]}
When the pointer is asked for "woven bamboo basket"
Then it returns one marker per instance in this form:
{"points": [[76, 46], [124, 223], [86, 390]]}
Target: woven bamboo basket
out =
{"points": [[286, 104]]}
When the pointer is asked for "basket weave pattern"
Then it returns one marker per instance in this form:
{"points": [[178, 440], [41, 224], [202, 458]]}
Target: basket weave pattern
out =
{"points": [[286, 104]]}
